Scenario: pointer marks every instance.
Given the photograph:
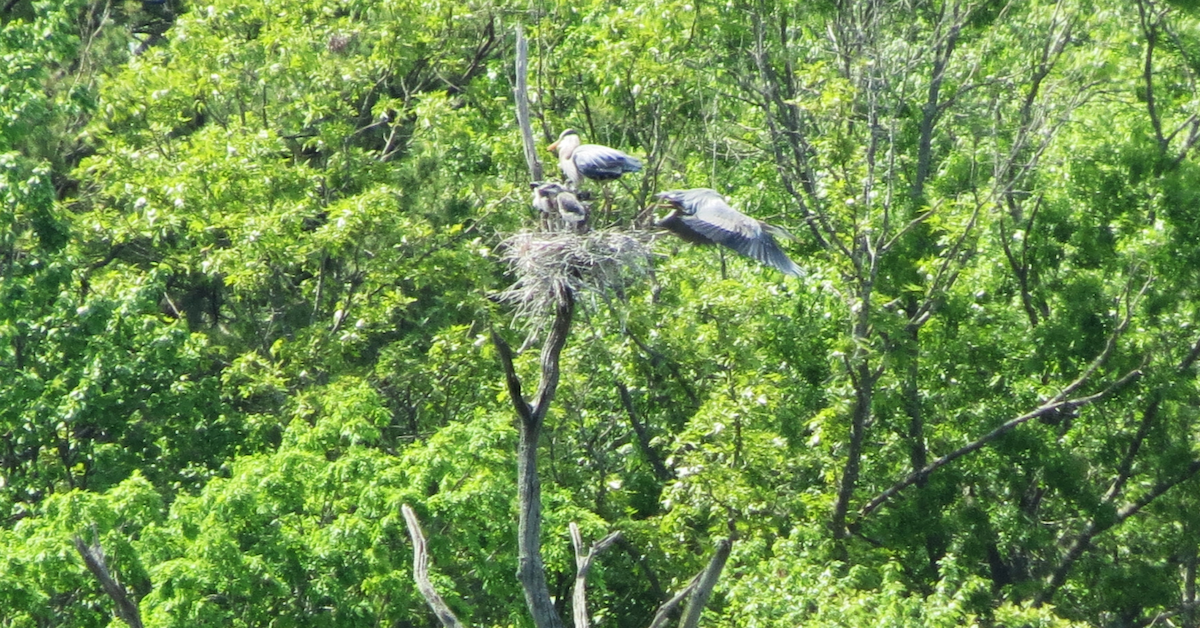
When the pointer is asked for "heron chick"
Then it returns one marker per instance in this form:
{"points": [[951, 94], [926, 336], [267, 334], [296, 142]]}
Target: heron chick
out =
{"points": [[553, 197]]}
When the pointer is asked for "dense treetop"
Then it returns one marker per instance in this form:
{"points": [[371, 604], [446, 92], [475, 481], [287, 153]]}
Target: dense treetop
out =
{"points": [[250, 255]]}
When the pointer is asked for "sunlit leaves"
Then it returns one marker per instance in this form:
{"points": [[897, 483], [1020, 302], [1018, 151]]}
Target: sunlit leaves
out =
{"points": [[255, 319]]}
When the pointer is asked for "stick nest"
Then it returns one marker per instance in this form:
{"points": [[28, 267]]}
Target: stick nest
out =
{"points": [[550, 264]]}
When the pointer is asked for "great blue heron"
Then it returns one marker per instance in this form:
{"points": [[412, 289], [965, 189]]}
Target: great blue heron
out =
{"points": [[599, 163], [542, 201], [552, 197], [702, 216]]}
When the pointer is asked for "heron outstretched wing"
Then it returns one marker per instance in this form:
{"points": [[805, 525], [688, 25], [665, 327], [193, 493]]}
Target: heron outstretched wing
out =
{"points": [[703, 215]]}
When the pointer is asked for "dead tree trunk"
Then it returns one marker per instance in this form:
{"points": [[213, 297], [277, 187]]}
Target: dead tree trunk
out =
{"points": [[521, 96], [531, 418], [421, 571], [97, 563], [583, 565]]}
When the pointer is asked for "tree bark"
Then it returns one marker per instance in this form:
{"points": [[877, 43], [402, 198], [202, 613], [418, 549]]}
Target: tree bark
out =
{"points": [[421, 571], [1063, 401], [583, 565], [864, 387], [705, 584], [1084, 541], [521, 95], [699, 588], [530, 570], [1189, 589], [931, 110], [93, 556], [643, 438]]}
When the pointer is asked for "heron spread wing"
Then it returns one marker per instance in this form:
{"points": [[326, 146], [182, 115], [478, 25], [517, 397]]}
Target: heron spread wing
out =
{"points": [[703, 216], [603, 163]]}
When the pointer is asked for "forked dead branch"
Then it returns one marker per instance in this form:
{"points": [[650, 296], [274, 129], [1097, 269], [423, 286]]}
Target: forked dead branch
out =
{"points": [[553, 269]]}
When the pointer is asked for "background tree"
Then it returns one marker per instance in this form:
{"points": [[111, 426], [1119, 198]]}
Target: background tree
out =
{"points": [[248, 251]]}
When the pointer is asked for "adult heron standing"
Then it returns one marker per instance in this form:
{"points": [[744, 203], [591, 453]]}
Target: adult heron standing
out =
{"points": [[580, 161], [702, 216]]}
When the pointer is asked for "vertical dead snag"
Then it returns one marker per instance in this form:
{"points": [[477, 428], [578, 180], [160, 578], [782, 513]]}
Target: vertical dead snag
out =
{"points": [[521, 95], [551, 270], [530, 570], [421, 571], [583, 565]]}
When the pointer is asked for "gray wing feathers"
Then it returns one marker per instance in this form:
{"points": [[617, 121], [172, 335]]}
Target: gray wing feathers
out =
{"points": [[715, 220], [601, 162], [571, 210], [748, 239], [768, 252]]}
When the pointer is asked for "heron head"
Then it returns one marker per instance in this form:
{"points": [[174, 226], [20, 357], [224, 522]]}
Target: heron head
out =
{"points": [[549, 188], [562, 139], [674, 200]]}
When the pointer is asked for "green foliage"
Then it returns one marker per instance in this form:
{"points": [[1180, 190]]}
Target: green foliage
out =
{"points": [[248, 255]]}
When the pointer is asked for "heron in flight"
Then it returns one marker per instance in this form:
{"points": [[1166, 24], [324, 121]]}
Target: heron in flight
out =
{"points": [[702, 216], [591, 161]]}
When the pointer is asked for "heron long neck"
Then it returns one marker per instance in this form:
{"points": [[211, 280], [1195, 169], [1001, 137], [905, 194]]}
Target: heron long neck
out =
{"points": [[569, 169]]}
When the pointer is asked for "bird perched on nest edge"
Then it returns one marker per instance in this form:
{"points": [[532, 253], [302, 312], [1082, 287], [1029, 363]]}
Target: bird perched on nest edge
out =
{"points": [[592, 161], [551, 197], [702, 216]]}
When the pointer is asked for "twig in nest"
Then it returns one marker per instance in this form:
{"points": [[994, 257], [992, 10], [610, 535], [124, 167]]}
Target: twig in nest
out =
{"points": [[548, 265]]}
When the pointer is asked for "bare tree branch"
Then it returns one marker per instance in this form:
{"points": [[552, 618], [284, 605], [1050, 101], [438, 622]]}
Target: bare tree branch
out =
{"points": [[550, 352], [521, 94], [1191, 357], [1057, 403], [1124, 472], [699, 588], [705, 585], [776, 110], [944, 277], [657, 357], [1095, 527], [97, 563], [1020, 266], [1125, 469], [643, 438], [524, 412], [1061, 401], [530, 570], [864, 386], [421, 571], [583, 564], [943, 48], [1149, 27], [664, 611]]}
